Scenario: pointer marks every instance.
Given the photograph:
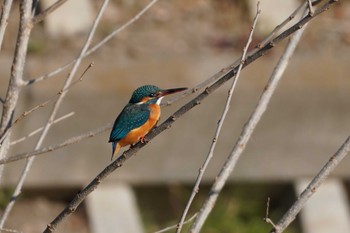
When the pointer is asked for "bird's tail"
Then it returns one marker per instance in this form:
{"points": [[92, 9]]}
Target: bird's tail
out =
{"points": [[115, 149]]}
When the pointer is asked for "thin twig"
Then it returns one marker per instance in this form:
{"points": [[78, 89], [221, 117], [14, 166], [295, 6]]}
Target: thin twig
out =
{"points": [[267, 208], [49, 100], [94, 48], [175, 226], [38, 18], [267, 218], [321, 176], [80, 197], [281, 25], [10, 230], [220, 123], [5, 13], [52, 116], [245, 135], [65, 89], [54, 147], [40, 129]]}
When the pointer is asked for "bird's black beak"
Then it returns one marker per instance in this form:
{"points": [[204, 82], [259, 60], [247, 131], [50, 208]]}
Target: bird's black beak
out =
{"points": [[171, 91]]}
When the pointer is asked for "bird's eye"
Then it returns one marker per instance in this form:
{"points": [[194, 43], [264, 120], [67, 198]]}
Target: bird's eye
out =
{"points": [[153, 95]]}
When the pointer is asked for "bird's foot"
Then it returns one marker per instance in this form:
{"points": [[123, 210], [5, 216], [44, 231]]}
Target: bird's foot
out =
{"points": [[143, 140]]}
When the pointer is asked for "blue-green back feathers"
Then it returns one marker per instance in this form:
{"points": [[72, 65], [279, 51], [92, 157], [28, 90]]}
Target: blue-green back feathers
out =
{"points": [[132, 117]]}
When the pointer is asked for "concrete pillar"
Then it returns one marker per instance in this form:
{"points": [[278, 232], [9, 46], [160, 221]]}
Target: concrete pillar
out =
{"points": [[113, 208]]}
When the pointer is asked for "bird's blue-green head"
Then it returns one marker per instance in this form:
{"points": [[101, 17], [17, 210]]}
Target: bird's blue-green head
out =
{"points": [[151, 94]]}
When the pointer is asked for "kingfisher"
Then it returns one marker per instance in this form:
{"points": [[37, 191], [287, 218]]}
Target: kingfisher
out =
{"points": [[138, 117]]}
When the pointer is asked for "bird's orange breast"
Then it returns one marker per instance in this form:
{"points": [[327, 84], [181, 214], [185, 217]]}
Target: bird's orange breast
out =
{"points": [[136, 134]]}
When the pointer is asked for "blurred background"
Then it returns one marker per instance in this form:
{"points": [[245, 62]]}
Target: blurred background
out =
{"points": [[179, 44]]}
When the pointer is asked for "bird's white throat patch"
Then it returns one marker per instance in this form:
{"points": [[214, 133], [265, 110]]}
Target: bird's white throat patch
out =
{"points": [[159, 100]]}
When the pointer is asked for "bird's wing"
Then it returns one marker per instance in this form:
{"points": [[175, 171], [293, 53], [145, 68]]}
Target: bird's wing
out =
{"points": [[132, 117]]}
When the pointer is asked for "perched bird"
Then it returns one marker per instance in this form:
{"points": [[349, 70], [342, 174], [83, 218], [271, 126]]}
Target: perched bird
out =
{"points": [[138, 117]]}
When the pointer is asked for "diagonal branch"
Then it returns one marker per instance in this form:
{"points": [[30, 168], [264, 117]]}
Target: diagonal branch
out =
{"points": [[40, 129], [17, 68], [9, 230], [245, 135], [38, 18], [67, 142], [43, 104], [321, 176], [175, 226], [5, 13], [79, 198], [16, 78], [220, 124], [69, 79]]}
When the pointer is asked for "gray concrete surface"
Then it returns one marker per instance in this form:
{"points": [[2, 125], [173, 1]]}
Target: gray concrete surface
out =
{"points": [[306, 122]]}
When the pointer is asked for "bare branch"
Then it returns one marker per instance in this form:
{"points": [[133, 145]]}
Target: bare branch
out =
{"points": [[67, 142], [97, 46], [38, 18], [223, 71], [41, 105], [321, 176], [5, 13], [40, 129], [65, 89], [176, 226], [267, 208], [79, 198], [220, 123], [10, 230], [53, 114], [17, 67], [267, 218], [245, 135], [16, 80], [280, 26]]}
